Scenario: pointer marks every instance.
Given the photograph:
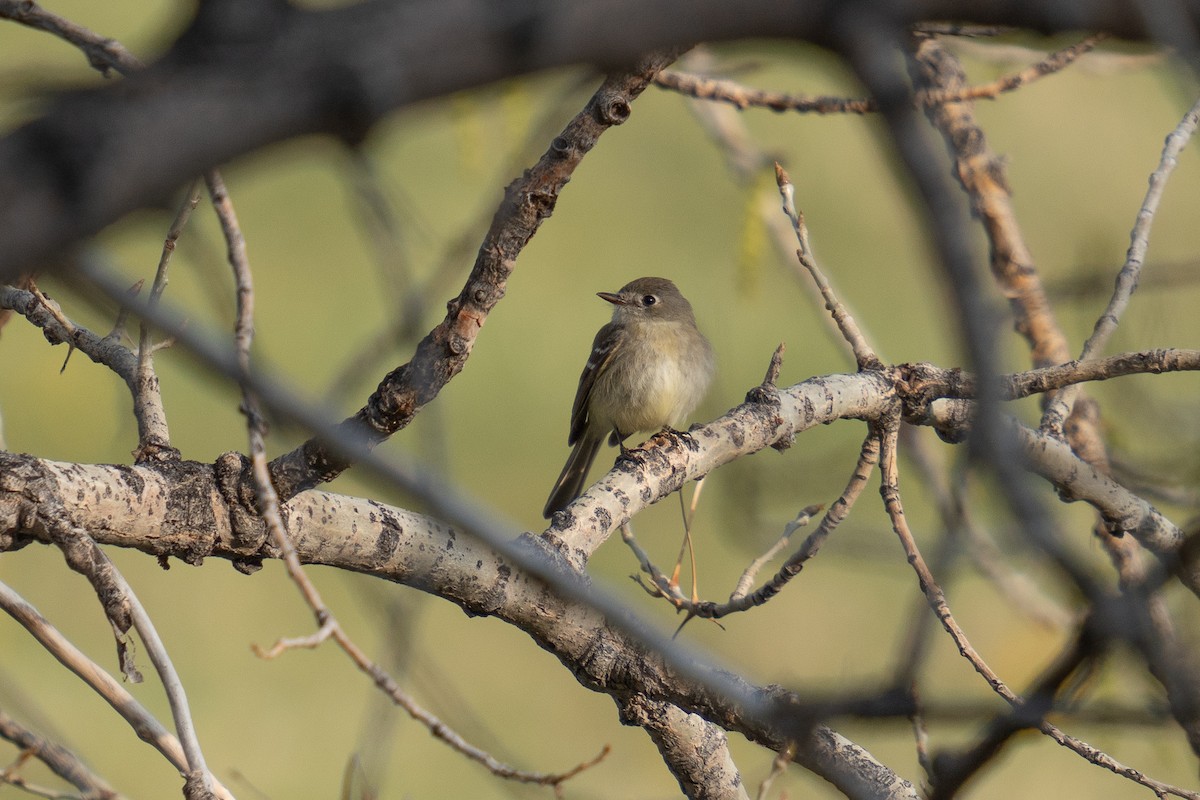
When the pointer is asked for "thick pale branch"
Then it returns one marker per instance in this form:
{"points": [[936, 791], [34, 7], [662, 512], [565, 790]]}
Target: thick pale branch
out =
{"points": [[365, 536]]}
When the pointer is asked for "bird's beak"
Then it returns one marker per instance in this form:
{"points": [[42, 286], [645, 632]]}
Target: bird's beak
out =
{"points": [[615, 299]]}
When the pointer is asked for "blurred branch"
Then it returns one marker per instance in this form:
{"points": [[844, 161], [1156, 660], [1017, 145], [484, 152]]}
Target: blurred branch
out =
{"points": [[61, 761], [983, 177], [743, 97], [1088, 281], [260, 89]]}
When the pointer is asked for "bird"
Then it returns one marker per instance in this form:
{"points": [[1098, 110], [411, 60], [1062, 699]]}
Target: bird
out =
{"points": [[648, 370]]}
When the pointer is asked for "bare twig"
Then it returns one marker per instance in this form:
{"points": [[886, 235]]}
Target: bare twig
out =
{"points": [[937, 601], [751, 572], [750, 166], [779, 765], [742, 97], [147, 399], [46, 314], [124, 608], [1130, 274], [1147, 362], [1054, 62], [741, 599], [890, 490], [102, 53], [61, 761], [864, 355], [141, 720], [118, 329]]}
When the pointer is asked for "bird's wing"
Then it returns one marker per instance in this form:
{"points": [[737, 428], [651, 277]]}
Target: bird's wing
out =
{"points": [[607, 342]]}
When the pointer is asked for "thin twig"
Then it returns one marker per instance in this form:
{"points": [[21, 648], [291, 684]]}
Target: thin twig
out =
{"points": [[61, 761], [46, 314], [750, 166], [147, 728], [779, 765], [1130, 274], [102, 53], [889, 488], [118, 329], [742, 588], [743, 97], [146, 395], [1054, 62], [741, 599], [123, 608], [864, 355]]}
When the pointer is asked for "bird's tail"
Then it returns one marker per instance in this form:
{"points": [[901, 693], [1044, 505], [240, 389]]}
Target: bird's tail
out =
{"points": [[574, 474]]}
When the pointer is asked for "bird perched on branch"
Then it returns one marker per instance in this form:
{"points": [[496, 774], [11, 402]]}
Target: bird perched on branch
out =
{"points": [[649, 368]]}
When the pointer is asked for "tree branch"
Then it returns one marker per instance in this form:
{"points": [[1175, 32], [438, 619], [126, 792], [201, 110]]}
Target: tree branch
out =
{"points": [[97, 155]]}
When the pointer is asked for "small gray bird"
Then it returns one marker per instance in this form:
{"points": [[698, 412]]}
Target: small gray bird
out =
{"points": [[648, 370]]}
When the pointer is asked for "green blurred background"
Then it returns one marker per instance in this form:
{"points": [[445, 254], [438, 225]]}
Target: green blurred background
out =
{"points": [[655, 197]]}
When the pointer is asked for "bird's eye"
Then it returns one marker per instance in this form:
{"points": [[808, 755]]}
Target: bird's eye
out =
{"points": [[649, 300]]}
